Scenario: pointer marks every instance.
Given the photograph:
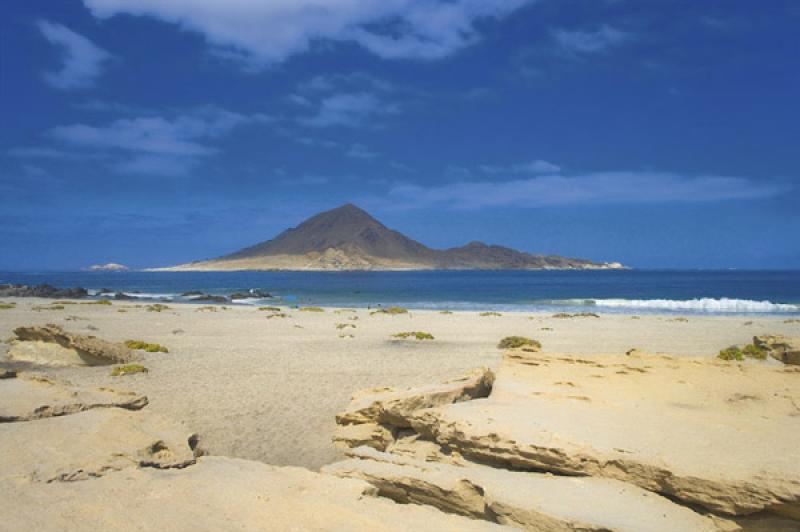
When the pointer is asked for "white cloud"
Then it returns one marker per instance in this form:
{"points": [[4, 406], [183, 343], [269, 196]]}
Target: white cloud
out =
{"points": [[348, 109], [533, 167], [359, 151], [157, 145], [83, 60], [588, 42], [263, 32], [158, 135], [588, 189]]}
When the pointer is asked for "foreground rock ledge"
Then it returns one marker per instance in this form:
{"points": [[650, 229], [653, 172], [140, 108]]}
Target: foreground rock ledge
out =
{"points": [[27, 397], [216, 494], [710, 433], [532, 501]]}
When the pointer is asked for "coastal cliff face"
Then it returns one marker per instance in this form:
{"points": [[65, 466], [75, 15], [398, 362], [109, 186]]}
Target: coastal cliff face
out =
{"points": [[348, 238]]}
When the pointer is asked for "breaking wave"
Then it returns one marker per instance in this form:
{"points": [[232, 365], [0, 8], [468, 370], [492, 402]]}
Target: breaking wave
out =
{"points": [[697, 305]]}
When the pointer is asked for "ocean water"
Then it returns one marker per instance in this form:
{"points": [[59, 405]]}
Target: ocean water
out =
{"points": [[637, 291]]}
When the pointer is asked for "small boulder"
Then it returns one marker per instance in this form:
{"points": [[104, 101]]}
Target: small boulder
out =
{"points": [[51, 345], [782, 348]]}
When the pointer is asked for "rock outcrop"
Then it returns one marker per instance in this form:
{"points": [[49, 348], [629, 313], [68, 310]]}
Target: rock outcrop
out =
{"points": [[28, 397], [531, 501], [217, 493], [694, 430], [42, 290], [91, 444], [51, 345], [787, 350]]}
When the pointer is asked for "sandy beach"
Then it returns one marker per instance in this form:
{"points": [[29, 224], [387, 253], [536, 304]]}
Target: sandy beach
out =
{"points": [[268, 388]]}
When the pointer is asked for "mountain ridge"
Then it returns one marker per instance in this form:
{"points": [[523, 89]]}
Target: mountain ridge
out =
{"points": [[349, 238]]}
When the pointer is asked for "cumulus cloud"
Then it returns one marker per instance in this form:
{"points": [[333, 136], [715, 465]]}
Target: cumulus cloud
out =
{"points": [[261, 32], [590, 42], [156, 144], [83, 61], [587, 189]]}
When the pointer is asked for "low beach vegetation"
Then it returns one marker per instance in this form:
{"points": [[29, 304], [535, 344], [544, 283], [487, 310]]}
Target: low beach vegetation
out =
{"points": [[345, 325], [312, 309], [567, 315], [417, 335], [519, 342], [735, 353], [98, 302], [270, 309], [445, 312], [145, 346], [156, 307], [39, 308], [277, 315], [128, 369], [7, 306], [491, 313], [392, 311]]}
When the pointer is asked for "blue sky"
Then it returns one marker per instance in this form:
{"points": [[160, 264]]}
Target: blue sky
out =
{"points": [[154, 132]]}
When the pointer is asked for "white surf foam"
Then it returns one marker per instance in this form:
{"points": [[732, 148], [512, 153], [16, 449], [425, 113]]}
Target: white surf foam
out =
{"points": [[698, 305]]}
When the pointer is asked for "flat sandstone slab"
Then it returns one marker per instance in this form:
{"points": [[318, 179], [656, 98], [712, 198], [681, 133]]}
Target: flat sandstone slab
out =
{"points": [[216, 494], [91, 444], [532, 501], [717, 434], [24, 398]]}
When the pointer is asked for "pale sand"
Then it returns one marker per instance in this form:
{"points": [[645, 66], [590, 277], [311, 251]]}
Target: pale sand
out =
{"points": [[268, 389]]}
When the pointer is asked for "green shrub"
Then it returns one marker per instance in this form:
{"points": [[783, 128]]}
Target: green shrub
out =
{"points": [[312, 309], [6, 306], [144, 346], [731, 353], [156, 307], [445, 312], [419, 335], [489, 314], [98, 302], [277, 315], [51, 307], [270, 309], [753, 351], [65, 302], [392, 311], [345, 325], [564, 315], [128, 369], [516, 342]]}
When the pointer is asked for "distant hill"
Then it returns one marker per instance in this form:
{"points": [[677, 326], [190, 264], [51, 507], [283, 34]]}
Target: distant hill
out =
{"points": [[348, 238]]}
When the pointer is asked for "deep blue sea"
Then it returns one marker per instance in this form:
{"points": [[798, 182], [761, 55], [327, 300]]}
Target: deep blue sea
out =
{"points": [[640, 291]]}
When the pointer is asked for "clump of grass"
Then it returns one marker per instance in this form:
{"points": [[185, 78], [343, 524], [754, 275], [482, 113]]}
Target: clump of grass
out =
{"points": [[753, 351], [312, 309], [144, 346], [121, 310], [7, 306], [207, 308], [60, 302], [392, 311], [565, 315], [680, 319], [418, 335], [792, 320], [345, 325], [277, 315], [731, 353], [346, 336], [343, 310], [270, 309], [445, 312], [492, 313], [517, 342], [74, 318], [51, 307], [128, 369], [98, 302], [156, 307], [545, 328]]}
